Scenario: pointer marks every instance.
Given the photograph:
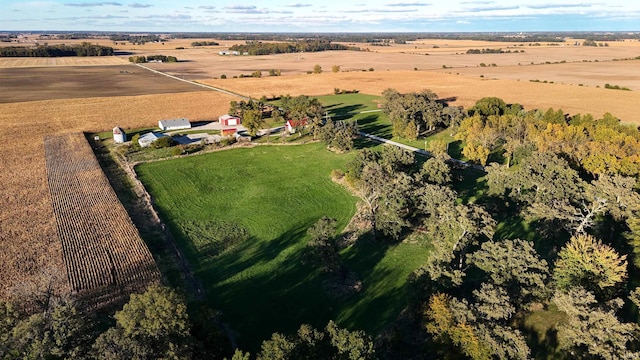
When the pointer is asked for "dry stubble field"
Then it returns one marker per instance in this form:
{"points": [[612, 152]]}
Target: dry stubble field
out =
{"points": [[27, 227]]}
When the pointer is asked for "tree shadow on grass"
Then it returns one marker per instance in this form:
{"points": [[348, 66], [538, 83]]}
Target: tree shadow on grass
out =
{"points": [[370, 125], [346, 111], [264, 286]]}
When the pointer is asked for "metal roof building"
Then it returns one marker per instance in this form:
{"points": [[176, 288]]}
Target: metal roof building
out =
{"points": [[176, 124]]}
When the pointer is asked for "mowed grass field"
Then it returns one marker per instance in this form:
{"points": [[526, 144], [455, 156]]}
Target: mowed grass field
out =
{"points": [[263, 284]]}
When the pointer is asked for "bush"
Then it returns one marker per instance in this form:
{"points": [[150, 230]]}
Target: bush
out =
{"points": [[134, 140], [226, 141], [163, 142], [223, 76], [176, 150]]}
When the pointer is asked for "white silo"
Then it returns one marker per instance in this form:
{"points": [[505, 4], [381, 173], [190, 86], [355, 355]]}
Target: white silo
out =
{"points": [[119, 136]]}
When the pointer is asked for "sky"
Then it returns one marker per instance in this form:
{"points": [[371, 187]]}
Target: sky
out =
{"points": [[319, 16]]}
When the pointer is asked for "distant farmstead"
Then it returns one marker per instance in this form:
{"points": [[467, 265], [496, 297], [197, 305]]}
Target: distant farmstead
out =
{"points": [[119, 136], [229, 120], [176, 124], [146, 139]]}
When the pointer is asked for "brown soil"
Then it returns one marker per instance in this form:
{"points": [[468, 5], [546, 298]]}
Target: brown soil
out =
{"points": [[69, 82]]}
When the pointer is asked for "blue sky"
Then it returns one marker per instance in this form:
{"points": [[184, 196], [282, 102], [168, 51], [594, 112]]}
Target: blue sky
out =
{"points": [[319, 16]]}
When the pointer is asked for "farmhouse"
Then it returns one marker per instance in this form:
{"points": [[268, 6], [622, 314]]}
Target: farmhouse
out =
{"points": [[146, 139], [229, 120], [176, 124], [292, 125]]}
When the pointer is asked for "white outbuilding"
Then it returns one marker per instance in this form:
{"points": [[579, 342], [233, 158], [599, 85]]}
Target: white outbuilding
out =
{"points": [[119, 136], [175, 124], [146, 139]]}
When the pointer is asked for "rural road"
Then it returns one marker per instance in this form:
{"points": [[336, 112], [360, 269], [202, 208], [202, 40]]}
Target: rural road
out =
{"points": [[195, 83], [415, 149]]}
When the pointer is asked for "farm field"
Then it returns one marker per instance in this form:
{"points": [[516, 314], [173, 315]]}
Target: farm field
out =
{"points": [[29, 112], [69, 82], [274, 193], [432, 55], [465, 90], [104, 255], [26, 214]]}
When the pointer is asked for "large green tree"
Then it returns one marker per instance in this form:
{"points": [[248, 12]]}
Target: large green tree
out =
{"points": [[592, 329], [332, 343], [152, 325], [516, 266], [588, 263]]}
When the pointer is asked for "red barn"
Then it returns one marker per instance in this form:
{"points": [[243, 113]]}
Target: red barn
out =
{"points": [[229, 120]]}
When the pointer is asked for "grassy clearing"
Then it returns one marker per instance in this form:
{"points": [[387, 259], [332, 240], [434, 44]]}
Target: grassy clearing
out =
{"points": [[363, 109], [261, 283]]}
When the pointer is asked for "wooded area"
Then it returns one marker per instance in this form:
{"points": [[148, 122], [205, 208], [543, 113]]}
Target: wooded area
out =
{"points": [[85, 49]]}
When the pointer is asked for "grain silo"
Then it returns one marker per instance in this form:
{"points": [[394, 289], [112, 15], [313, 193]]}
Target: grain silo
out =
{"points": [[119, 136]]}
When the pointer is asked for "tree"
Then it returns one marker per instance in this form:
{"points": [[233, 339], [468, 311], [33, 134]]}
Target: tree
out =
{"points": [[309, 343], [335, 68], [435, 171], [154, 324], [322, 244], [447, 328], [412, 114], [586, 262], [453, 228], [488, 106], [253, 121], [62, 331], [317, 69], [591, 329], [514, 265]]}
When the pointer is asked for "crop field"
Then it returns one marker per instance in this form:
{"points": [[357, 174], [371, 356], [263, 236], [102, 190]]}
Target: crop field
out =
{"points": [[432, 55], [58, 101], [268, 196], [464, 90], [27, 224], [67, 82], [11, 62], [104, 255]]}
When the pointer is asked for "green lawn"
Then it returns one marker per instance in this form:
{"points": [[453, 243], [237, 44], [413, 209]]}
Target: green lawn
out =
{"points": [[375, 122], [261, 284]]}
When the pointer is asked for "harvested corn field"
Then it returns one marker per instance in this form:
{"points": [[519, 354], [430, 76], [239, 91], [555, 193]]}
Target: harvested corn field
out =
{"points": [[105, 257]]}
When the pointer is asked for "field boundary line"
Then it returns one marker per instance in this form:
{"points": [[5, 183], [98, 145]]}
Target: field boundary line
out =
{"points": [[195, 83]]}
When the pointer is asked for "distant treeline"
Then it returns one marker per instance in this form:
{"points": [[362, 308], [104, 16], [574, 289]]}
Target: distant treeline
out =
{"points": [[159, 58], [204, 43], [491, 51], [260, 48], [85, 49], [136, 39]]}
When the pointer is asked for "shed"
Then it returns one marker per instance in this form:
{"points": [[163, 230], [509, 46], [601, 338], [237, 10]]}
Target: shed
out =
{"points": [[146, 139], [229, 120], [228, 131], [175, 124], [119, 136], [292, 125]]}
